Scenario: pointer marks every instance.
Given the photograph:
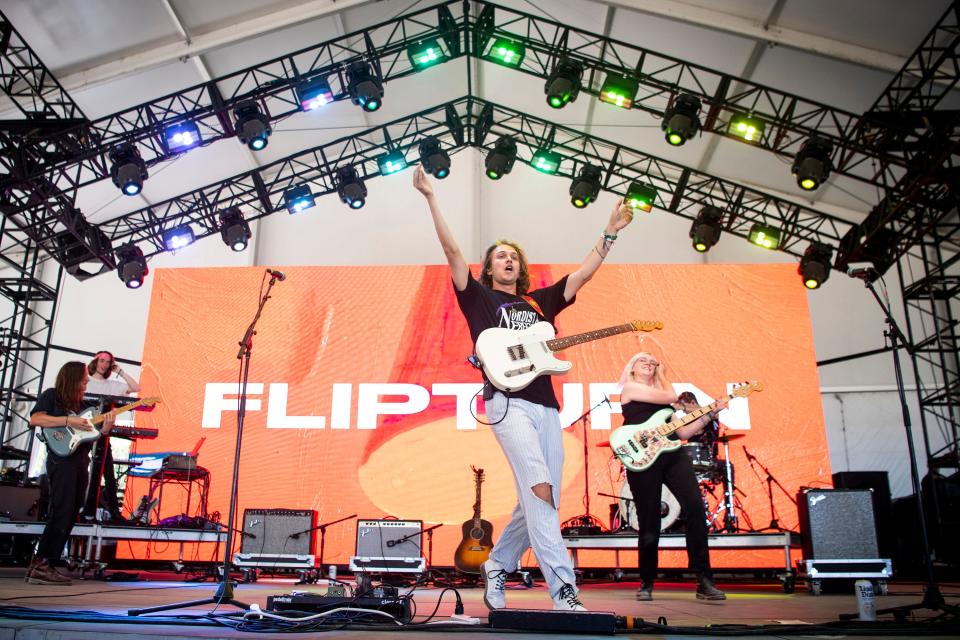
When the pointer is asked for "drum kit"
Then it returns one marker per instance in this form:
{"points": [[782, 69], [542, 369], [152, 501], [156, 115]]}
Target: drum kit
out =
{"points": [[713, 473]]}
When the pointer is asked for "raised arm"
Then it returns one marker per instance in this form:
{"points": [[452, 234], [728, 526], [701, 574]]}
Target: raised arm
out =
{"points": [[459, 270], [133, 385], [622, 216]]}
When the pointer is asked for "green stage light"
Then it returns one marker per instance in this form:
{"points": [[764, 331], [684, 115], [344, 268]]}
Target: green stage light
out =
{"points": [[746, 127], [563, 84], [586, 187], [619, 90], [641, 196], [392, 162], [812, 165], [426, 53], [815, 265], [681, 121], [500, 159], [705, 230], [764, 236], [546, 161], [506, 52]]}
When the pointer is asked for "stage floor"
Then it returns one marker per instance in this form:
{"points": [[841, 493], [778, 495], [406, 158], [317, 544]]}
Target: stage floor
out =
{"points": [[748, 603]]}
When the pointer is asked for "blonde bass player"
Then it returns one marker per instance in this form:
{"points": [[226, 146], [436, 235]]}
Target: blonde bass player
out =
{"points": [[644, 393]]}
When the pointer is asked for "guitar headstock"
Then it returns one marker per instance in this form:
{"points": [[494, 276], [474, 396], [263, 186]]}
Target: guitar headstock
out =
{"points": [[477, 474], [646, 325], [746, 389]]}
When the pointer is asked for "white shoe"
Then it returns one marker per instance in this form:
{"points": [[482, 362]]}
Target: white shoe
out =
{"points": [[494, 576], [566, 600]]}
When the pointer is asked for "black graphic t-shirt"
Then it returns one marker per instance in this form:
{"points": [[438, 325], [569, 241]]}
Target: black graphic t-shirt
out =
{"points": [[484, 308], [48, 403]]}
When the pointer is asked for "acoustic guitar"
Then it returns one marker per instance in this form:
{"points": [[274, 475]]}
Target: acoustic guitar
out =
{"points": [[477, 540]]}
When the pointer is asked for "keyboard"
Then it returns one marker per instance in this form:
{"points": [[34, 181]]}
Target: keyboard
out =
{"points": [[134, 433]]}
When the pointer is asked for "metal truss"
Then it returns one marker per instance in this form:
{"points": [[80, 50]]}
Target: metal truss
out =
{"points": [[932, 301], [473, 122], [31, 86], [24, 336], [467, 27]]}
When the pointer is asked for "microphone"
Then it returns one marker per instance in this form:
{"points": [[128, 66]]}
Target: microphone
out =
{"points": [[392, 543], [748, 454], [863, 273], [249, 535], [607, 400], [279, 275], [294, 535]]}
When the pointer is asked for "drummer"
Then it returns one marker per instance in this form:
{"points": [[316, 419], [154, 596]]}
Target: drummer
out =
{"points": [[644, 391]]}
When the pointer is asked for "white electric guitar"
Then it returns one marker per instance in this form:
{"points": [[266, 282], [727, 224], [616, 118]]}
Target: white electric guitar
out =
{"points": [[639, 445], [513, 359], [64, 440]]}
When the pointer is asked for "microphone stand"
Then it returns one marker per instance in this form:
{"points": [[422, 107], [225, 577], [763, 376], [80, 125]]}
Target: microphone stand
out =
{"points": [[225, 589], [932, 597], [770, 480], [322, 528], [586, 520]]}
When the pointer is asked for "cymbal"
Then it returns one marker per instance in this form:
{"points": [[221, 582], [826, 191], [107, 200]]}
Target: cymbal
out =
{"points": [[731, 436]]}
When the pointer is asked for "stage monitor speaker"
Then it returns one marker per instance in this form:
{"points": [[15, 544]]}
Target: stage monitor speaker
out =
{"points": [[278, 531], [19, 503], [879, 483], [837, 524], [389, 538]]}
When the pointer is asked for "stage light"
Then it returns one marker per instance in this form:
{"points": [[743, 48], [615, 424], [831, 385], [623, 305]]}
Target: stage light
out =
{"points": [[506, 52], [764, 236], [705, 231], [178, 237], [586, 187], [426, 53], [298, 198], [131, 265], [128, 171], [815, 265], [619, 90], [350, 187], [392, 162], [364, 87], [314, 94], [434, 159], [252, 127], [563, 84], [746, 127], [234, 230], [681, 121], [812, 165], [182, 136], [641, 196], [500, 159], [546, 161]]}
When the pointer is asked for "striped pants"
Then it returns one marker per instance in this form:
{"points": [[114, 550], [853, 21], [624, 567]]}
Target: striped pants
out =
{"points": [[531, 438]]}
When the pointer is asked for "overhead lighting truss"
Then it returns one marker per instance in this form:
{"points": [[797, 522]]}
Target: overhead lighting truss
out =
{"points": [[683, 191]]}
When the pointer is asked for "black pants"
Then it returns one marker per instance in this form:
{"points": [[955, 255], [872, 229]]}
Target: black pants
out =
{"points": [[675, 470], [68, 486]]}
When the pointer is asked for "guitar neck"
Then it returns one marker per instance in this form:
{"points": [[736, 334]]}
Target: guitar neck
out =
{"points": [[113, 414], [559, 344], [669, 427], [476, 508]]}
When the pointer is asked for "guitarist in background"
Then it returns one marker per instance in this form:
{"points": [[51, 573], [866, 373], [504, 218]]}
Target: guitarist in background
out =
{"points": [[67, 475], [526, 423], [644, 391], [101, 369]]}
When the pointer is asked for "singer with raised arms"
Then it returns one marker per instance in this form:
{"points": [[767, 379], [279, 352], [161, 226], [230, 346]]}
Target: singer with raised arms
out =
{"points": [[526, 423]]}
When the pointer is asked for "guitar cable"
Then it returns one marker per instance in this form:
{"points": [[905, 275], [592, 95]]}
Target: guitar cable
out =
{"points": [[473, 403]]}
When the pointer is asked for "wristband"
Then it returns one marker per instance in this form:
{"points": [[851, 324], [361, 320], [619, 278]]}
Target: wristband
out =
{"points": [[608, 237]]}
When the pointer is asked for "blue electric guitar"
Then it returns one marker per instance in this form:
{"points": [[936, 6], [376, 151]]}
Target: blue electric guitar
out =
{"points": [[63, 441]]}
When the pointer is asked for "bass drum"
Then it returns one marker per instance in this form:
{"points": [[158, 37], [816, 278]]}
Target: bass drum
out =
{"points": [[669, 508]]}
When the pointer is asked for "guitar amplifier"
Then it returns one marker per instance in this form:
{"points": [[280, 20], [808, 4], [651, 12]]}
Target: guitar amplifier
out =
{"points": [[278, 532], [389, 546]]}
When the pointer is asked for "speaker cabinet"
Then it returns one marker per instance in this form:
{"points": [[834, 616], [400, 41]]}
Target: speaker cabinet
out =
{"points": [[879, 483], [278, 531], [837, 524], [20, 503]]}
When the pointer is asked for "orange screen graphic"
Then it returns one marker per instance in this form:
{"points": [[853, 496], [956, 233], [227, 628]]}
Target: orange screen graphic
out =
{"points": [[360, 392]]}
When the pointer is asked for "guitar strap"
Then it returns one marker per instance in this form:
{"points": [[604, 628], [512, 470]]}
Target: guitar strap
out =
{"points": [[536, 307]]}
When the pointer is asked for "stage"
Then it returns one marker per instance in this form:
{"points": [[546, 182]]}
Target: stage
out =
{"points": [[752, 603]]}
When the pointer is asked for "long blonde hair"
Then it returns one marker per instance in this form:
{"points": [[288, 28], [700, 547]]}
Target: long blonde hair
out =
{"points": [[659, 381]]}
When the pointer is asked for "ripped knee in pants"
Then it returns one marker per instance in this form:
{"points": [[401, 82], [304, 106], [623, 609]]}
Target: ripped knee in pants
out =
{"points": [[545, 492]]}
